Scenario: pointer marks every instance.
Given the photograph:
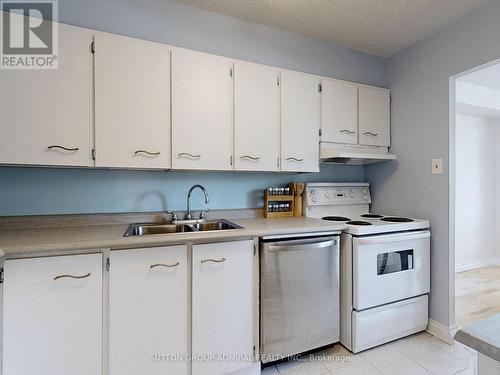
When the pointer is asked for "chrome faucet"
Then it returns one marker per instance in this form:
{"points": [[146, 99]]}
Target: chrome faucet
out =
{"points": [[188, 215]]}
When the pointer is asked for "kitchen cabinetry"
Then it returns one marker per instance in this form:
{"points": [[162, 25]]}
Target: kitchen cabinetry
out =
{"points": [[223, 306], [339, 105], [46, 114], [300, 122], [374, 116], [256, 117], [132, 103], [149, 311], [52, 316], [202, 111]]}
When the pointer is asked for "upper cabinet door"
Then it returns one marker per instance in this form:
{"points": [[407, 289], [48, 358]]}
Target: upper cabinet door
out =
{"points": [[46, 114], [132, 103], [52, 316], [374, 116], [300, 122], [256, 117], [339, 120], [202, 111]]}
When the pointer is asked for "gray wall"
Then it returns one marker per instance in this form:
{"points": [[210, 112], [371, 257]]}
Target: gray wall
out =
{"points": [[28, 191], [419, 78]]}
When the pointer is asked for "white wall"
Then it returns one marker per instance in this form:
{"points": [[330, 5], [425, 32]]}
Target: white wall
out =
{"points": [[475, 211], [419, 82]]}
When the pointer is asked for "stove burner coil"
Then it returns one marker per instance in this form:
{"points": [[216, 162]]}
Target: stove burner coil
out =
{"points": [[397, 219], [357, 222], [372, 216], [336, 218]]}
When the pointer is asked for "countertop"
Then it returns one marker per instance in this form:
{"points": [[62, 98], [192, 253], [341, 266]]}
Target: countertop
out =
{"points": [[20, 243], [482, 336]]}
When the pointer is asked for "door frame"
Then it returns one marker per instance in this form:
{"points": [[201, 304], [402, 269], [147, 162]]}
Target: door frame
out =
{"points": [[452, 187]]}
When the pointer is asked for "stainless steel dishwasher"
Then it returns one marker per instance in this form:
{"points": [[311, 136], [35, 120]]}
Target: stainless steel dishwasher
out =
{"points": [[299, 289]]}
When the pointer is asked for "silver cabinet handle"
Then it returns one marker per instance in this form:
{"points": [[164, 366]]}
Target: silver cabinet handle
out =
{"points": [[72, 276], [213, 260], [138, 152], [188, 155], [63, 148], [163, 265], [347, 131], [253, 158], [370, 133], [299, 160]]}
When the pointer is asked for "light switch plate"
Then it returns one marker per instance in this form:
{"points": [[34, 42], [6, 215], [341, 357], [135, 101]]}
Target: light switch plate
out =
{"points": [[437, 166]]}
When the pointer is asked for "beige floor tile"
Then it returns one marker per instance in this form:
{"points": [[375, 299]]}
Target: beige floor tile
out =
{"points": [[335, 357], [360, 367], [393, 362], [434, 359]]}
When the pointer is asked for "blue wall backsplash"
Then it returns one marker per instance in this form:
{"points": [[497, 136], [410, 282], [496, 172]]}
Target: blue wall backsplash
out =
{"points": [[45, 191]]}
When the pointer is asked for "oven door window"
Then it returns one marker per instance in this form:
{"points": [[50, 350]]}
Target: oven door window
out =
{"points": [[396, 261]]}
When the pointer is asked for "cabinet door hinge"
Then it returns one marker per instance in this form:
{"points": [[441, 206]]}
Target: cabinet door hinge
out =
{"points": [[254, 350], [1, 275], [320, 88], [108, 266], [92, 47], [231, 160], [278, 81], [320, 132], [254, 252], [93, 154], [231, 72]]}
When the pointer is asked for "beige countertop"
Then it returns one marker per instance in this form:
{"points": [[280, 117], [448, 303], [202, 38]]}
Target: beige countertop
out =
{"points": [[19, 243]]}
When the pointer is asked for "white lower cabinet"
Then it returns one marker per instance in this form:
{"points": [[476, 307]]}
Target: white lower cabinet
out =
{"points": [[149, 311], [223, 308], [52, 316]]}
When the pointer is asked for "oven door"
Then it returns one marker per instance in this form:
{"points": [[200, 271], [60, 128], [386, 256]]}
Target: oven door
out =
{"points": [[389, 268]]}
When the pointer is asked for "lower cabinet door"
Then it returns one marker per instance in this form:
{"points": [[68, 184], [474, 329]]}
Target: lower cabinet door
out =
{"points": [[149, 311], [52, 316], [223, 314]]}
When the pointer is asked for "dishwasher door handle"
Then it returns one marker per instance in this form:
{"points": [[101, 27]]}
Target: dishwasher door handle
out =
{"points": [[301, 245]]}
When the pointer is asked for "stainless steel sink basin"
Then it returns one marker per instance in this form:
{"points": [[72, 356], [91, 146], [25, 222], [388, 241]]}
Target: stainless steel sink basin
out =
{"points": [[157, 228]]}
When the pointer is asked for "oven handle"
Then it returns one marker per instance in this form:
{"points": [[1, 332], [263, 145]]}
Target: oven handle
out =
{"points": [[393, 237], [301, 245]]}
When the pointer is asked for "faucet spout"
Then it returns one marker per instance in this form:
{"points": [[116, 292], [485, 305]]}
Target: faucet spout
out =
{"points": [[188, 215]]}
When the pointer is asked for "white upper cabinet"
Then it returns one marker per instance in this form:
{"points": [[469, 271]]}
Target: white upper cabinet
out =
{"points": [[223, 306], [256, 117], [374, 116], [202, 111], [45, 115], [300, 122], [52, 316], [339, 104], [132, 103], [149, 311]]}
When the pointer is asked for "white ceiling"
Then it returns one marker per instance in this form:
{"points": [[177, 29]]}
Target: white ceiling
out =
{"points": [[378, 27], [487, 77]]}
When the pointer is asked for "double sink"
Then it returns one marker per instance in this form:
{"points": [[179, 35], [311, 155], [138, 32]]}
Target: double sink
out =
{"points": [[190, 226]]}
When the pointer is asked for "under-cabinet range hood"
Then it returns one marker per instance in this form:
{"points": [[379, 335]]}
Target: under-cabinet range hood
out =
{"points": [[331, 153]]}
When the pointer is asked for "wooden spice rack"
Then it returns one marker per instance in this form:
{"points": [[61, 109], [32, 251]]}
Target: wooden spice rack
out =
{"points": [[278, 199]]}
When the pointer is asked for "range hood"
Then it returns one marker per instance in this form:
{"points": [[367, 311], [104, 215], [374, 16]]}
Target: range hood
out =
{"points": [[332, 153]]}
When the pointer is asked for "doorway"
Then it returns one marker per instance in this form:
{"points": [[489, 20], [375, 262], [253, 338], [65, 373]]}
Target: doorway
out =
{"points": [[475, 195]]}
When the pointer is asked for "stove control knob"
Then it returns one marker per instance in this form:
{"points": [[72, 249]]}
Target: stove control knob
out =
{"points": [[327, 196], [313, 199], [352, 195], [364, 190], [365, 197]]}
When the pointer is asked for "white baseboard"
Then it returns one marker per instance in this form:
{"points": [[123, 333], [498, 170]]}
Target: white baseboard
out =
{"points": [[472, 265], [441, 331]]}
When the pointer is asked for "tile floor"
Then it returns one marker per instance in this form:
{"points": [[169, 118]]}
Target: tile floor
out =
{"points": [[477, 294], [420, 354]]}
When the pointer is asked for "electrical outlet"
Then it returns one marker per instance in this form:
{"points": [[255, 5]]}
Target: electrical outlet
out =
{"points": [[437, 166]]}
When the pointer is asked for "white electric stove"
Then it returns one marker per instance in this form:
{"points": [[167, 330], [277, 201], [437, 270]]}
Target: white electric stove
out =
{"points": [[384, 265]]}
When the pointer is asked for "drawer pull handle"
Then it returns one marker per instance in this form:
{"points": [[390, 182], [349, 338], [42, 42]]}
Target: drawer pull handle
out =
{"points": [[63, 148], [213, 260], [347, 131], [138, 152], [254, 158], [298, 160], [163, 265], [370, 133], [188, 155], [71, 276]]}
